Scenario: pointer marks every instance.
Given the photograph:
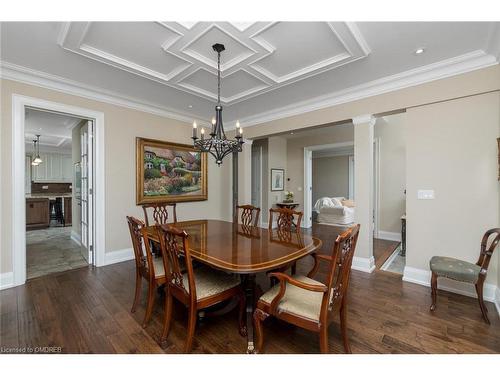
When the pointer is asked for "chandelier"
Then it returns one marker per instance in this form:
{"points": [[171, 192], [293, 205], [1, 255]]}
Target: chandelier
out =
{"points": [[36, 159], [217, 143]]}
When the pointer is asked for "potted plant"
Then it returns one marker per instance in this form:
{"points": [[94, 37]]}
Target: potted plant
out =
{"points": [[288, 197]]}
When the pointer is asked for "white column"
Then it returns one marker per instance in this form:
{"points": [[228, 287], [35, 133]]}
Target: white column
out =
{"points": [[363, 191], [245, 173]]}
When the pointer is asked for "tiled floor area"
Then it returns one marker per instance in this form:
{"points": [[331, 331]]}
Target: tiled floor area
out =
{"points": [[51, 250], [396, 262]]}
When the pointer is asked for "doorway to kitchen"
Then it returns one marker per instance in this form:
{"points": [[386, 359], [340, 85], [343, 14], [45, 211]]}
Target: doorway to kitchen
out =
{"points": [[58, 188], [58, 179]]}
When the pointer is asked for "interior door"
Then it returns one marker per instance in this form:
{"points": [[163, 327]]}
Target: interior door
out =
{"points": [[87, 193]]}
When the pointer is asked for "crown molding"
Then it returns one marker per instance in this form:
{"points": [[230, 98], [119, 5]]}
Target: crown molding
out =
{"points": [[450, 67], [33, 77]]}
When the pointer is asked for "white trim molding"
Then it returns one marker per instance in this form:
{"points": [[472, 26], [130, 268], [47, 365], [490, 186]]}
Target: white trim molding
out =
{"points": [[6, 280], [19, 104], [442, 69], [423, 277], [118, 256], [390, 236], [38, 78], [363, 264]]}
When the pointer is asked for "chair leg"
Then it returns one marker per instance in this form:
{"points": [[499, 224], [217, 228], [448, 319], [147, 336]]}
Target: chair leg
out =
{"points": [[434, 290], [138, 285], [484, 311], [168, 316], [323, 339], [191, 328], [343, 325], [149, 307], [258, 317], [242, 314]]}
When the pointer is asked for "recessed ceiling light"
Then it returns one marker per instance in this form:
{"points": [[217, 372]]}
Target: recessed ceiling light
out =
{"points": [[419, 51], [190, 106]]}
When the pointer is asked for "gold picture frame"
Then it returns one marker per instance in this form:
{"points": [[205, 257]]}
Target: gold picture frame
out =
{"points": [[169, 172]]}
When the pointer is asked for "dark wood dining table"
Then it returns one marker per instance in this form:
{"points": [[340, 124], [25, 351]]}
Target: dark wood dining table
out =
{"points": [[243, 250]]}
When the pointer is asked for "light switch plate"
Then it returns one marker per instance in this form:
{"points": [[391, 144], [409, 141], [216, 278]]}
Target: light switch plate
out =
{"points": [[425, 194]]}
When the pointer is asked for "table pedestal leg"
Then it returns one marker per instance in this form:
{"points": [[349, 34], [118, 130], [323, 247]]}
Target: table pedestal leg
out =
{"points": [[249, 284]]}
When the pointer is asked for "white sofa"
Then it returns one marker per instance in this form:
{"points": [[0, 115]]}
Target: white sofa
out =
{"points": [[333, 211]]}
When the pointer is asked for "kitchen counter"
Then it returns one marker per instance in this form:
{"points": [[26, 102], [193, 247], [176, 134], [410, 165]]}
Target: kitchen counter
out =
{"points": [[49, 195]]}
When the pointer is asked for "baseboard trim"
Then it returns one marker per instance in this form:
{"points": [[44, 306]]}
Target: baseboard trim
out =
{"points": [[423, 277], [76, 238], [6, 280], [118, 256], [390, 236], [363, 264]]}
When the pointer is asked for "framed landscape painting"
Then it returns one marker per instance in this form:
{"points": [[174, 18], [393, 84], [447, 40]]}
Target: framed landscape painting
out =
{"points": [[169, 172]]}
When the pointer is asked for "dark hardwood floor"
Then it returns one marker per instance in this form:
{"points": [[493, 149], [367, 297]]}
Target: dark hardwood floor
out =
{"points": [[382, 249], [88, 311]]}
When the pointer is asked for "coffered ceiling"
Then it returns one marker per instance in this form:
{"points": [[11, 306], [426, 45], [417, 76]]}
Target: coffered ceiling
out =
{"points": [[269, 69], [258, 57]]}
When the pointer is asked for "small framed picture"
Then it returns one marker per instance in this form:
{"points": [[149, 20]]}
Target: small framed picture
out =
{"points": [[277, 179]]}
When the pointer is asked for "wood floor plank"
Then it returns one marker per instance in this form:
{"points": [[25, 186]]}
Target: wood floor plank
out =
{"points": [[88, 311]]}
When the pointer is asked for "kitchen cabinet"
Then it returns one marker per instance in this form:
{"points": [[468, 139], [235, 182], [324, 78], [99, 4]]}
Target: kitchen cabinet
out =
{"points": [[67, 211], [54, 168], [37, 213]]}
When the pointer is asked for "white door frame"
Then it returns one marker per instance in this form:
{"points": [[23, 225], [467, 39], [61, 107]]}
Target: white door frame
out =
{"points": [[307, 222], [19, 105], [376, 186], [260, 174]]}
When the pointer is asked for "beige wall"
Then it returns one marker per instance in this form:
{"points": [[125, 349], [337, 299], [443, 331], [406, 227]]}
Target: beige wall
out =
{"points": [[453, 151], [277, 147], [330, 177], [391, 134], [295, 156], [263, 144], [122, 125]]}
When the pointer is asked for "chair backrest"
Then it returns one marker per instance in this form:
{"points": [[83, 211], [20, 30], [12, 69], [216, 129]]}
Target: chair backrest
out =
{"points": [[287, 220], [249, 214], [142, 251], [340, 269], [174, 245], [159, 212], [486, 253]]}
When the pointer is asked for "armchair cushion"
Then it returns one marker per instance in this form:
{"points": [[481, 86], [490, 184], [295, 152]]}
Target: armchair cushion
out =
{"points": [[455, 269], [296, 300], [210, 282]]}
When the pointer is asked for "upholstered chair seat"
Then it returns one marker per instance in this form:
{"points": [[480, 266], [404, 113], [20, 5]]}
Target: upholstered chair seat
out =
{"points": [[209, 282], [297, 301], [455, 269], [158, 265], [460, 270]]}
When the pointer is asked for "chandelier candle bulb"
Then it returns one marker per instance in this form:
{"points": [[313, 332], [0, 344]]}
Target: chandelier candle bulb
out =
{"points": [[195, 130], [202, 133], [237, 124]]}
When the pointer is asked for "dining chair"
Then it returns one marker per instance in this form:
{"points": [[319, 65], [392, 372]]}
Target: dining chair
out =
{"points": [[197, 288], [249, 215], [287, 221], [159, 212], [308, 303], [147, 266], [463, 271]]}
